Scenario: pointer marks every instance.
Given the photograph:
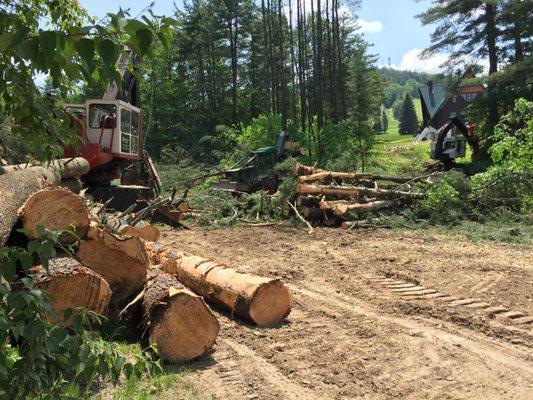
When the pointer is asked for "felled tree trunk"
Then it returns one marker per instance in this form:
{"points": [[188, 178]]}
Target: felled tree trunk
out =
{"points": [[179, 322], [73, 184], [331, 176], [65, 167], [15, 189], [122, 261], [352, 191], [55, 209], [340, 208], [142, 230], [73, 286], [301, 169], [263, 301]]}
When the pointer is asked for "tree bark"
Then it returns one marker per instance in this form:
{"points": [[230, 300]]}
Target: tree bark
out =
{"points": [[352, 191], [179, 322], [55, 209], [492, 32], [73, 184], [65, 167], [72, 285], [15, 189], [340, 208], [330, 176], [263, 301], [122, 261]]}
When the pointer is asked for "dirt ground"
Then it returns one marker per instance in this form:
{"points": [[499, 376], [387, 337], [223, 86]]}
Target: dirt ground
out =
{"points": [[376, 315]]}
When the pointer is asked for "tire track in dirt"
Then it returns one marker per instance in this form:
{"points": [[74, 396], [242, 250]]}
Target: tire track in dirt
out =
{"points": [[481, 346], [503, 316]]}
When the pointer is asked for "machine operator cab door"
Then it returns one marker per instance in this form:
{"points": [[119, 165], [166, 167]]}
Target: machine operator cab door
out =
{"points": [[115, 126]]}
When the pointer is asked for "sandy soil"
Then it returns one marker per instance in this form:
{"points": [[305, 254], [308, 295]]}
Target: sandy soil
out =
{"points": [[377, 315]]}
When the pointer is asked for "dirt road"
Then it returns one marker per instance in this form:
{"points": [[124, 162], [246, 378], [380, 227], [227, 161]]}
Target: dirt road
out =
{"points": [[377, 315]]}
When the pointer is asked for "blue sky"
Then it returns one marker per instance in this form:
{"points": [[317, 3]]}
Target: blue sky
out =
{"points": [[390, 25]]}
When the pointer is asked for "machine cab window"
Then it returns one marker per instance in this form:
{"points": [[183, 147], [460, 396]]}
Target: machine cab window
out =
{"points": [[129, 131], [102, 116]]}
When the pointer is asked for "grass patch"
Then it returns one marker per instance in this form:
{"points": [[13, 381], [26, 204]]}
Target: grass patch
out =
{"points": [[512, 229], [166, 385], [408, 158]]}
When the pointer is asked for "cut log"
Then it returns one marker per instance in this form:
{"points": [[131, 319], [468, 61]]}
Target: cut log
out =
{"points": [[340, 208], [301, 169], [316, 213], [179, 322], [353, 191], [349, 177], [15, 189], [72, 285], [307, 201], [122, 261], [142, 230], [73, 184], [55, 209], [65, 167], [263, 301]]}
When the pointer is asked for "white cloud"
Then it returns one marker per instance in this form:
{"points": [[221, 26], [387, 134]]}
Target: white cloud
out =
{"points": [[369, 26], [433, 63], [412, 61]]}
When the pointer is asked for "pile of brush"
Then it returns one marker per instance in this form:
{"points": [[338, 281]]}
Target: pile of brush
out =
{"points": [[331, 198]]}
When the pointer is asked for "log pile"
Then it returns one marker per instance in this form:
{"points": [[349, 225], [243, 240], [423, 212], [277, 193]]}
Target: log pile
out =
{"points": [[331, 198], [119, 269]]}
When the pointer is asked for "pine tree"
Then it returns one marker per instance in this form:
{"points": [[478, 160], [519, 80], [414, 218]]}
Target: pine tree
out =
{"points": [[377, 127], [384, 121], [408, 118]]}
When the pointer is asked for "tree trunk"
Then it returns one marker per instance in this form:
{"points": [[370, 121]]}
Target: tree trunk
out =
{"points": [[301, 169], [55, 209], [179, 322], [352, 191], [142, 230], [492, 32], [66, 167], [263, 301], [72, 286], [73, 184], [15, 189], [330, 176], [122, 261], [340, 208]]}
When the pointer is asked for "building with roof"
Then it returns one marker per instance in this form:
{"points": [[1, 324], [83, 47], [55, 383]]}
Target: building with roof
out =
{"points": [[440, 102]]}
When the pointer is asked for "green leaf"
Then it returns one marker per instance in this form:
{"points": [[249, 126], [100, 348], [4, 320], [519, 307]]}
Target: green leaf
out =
{"points": [[133, 26], [72, 70], [29, 49], [109, 51], [144, 38], [85, 48], [5, 40], [47, 42]]}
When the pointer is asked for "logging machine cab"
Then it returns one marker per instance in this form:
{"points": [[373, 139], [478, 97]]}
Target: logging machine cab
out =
{"points": [[108, 129]]}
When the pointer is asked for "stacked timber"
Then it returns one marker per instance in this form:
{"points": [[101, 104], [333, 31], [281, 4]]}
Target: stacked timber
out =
{"points": [[118, 265], [330, 197]]}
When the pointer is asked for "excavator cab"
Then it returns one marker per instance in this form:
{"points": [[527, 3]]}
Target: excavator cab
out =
{"points": [[108, 129]]}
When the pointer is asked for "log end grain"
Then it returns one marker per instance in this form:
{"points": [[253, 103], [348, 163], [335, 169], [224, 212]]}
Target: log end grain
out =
{"points": [[180, 323], [271, 303], [55, 209], [73, 286]]}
